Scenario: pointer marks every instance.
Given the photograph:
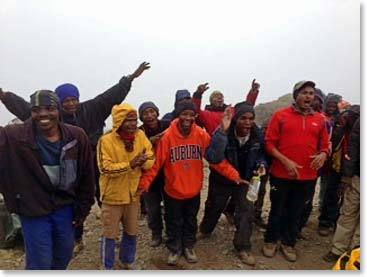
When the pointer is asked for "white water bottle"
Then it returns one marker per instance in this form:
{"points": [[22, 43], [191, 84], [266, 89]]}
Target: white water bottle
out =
{"points": [[253, 189]]}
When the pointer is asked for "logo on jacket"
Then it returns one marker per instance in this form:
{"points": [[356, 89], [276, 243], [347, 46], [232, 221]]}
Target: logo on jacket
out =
{"points": [[315, 124], [186, 152]]}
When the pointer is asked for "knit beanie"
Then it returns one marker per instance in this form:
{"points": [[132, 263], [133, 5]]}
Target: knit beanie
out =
{"points": [[241, 108], [147, 105], [186, 105], [44, 98], [182, 94], [300, 85], [67, 90]]}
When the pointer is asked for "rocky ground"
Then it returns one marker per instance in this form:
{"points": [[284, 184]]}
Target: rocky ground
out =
{"points": [[215, 253]]}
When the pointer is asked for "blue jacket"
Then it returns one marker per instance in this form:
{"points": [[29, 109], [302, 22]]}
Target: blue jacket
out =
{"points": [[246, 158]]}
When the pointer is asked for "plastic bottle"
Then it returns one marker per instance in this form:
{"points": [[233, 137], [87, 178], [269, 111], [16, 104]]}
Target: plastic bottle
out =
{"points": [[253, 189]]}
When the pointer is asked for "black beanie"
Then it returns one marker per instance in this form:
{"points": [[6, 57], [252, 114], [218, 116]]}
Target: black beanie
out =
{"points": [[45, 98], [147, 105], [241, 108], [186, 105]]}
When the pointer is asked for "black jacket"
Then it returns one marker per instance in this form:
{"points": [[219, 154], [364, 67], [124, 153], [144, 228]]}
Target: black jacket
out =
{"points": [[91, 114], [26, 186], [352, 167], [158, 183]]}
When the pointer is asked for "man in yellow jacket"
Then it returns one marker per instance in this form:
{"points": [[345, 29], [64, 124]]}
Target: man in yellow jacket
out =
{"points": [[122, 154]]}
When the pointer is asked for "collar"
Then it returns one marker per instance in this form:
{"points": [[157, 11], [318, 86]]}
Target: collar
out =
{"points": [[297, 109]]}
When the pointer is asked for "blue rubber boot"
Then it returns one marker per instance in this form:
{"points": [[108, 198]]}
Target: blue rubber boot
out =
{"points": [[127, 249], [108, 252]]}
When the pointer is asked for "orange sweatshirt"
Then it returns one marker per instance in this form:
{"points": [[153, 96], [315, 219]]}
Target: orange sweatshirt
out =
{"points": [[182, 162]]}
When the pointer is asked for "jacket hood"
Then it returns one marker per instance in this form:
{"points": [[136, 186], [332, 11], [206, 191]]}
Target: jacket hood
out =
{"points": [[119, 114]]}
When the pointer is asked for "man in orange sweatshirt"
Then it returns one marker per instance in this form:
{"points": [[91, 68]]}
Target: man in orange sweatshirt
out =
{"points": [[180, 153]]}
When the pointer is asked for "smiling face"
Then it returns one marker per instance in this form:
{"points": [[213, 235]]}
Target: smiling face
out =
{"points": [[45, 117], [244, 124], [331, 108], [150, 118], [130, 124], [70, 105], [305, 98], [217, 100], [185, 121]]}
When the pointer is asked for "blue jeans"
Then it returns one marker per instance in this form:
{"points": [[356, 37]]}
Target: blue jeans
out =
{"points": [[49, 239]]}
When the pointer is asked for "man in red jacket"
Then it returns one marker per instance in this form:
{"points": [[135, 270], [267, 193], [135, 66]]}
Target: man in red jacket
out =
{"points": [[297, 139]]}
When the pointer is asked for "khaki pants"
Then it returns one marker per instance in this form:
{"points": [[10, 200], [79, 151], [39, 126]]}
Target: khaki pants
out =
{"points": [[347, 231], [113, 214]]}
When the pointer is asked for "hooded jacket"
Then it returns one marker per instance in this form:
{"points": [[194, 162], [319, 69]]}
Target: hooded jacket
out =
{"points": [[27, 189], [182, 162], [118, 181], [91, 114]]}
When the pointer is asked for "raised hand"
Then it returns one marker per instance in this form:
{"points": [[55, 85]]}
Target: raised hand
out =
{"points": [[255, 86], [2, 94], [202, 88], [142, 67], [226, 120]]}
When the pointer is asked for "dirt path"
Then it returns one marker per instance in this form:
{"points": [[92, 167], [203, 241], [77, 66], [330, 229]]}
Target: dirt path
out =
{"points": [[214, 253]]}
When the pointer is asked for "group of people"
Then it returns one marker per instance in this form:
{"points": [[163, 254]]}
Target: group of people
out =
{"points": [[54, 164]]}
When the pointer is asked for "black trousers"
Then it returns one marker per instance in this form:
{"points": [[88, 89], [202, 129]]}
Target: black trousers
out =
{"points": [[79, 231], [181, 222], [153, 201], [331, 203], [288, 200], [229, 209], [216, 202]]}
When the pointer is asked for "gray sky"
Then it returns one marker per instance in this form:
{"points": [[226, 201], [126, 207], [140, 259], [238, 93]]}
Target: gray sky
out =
{"points": [[226, 43]]}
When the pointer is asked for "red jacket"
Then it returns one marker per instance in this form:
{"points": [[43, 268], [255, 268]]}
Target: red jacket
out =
{"points": [[182, 162], [210, 120], [297, 137]]}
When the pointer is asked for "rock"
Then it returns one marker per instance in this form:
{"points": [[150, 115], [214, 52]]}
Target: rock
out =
{"points": [[240, 265]]}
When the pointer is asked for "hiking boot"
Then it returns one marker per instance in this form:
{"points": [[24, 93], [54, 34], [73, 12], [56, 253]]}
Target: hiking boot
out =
{"points": [[230, 218], [270, 249], [289, 253], [247, 258], [330, 257], [201, 236], [260, 222], [190, 255], [324, 231], [173, 258], [156, 240]]}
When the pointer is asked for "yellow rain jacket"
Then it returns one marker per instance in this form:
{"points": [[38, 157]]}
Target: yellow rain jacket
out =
{"points": [[350, 260], [118, 181]]}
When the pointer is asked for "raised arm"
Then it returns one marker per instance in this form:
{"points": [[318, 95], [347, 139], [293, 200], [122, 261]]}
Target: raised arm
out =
{"points": [[100, 107], [16, 105], [253, 93]]}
